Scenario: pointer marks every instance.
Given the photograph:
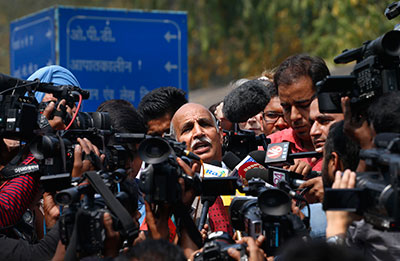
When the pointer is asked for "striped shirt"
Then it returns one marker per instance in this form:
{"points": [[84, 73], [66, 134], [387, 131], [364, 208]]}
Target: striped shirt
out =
{"points": [[16, 195]]}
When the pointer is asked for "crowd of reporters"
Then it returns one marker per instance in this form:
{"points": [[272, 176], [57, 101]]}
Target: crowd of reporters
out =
{"points": [[149, 163]]}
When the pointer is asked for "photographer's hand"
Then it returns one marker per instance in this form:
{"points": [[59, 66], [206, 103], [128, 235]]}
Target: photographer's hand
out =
{"points": [[356, 125], [339, 221], [204, 231], [188, 194], [81, 166], [253, 248], [299, 166], [316, 193], [157, 223], [51, 210], [57, 122], [112, 243]]}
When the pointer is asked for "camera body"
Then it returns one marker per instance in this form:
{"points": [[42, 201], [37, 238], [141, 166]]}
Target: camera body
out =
{"points": [[376, 195], [159, 180], [85, 210], [216, 247], [377, 72], [266, 212], [242, 142], [19, 109]]}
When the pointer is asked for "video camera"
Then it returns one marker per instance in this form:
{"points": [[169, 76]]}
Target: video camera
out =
{"points": [[81, 224], [375, 73], [159, 180], [242, 142], [19, 110], [56, 151], [376, 195], [266, 211]]}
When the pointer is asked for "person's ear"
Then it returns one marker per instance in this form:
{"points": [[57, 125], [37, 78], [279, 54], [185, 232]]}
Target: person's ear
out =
{"points": [[221, 134], [335, 163]]}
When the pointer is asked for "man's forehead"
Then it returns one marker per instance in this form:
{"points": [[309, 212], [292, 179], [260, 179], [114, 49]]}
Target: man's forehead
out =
{"points": [[314, 110], [299, 89], [191, 118], [191, 112]]}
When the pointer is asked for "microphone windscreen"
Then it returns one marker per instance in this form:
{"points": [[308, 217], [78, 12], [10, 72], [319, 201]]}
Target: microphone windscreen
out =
{"points": [[258, 173], [216, 163], [258, 155], [245, 101], [230, 160]]}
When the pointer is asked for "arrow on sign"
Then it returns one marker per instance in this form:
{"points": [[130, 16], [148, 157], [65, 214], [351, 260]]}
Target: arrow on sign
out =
{"points": [[168, 36], [168, 66], [49, 34]]}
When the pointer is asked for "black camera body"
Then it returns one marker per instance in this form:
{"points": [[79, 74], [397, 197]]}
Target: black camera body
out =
{"points": [[19, 109], [376, 195], [216, 247], [85, 216], [159, 180], [242, 142], [18, 117], [266, 212], [377, 72]]}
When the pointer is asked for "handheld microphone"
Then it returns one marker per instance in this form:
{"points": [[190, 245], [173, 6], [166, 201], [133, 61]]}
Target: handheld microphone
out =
{"points": [[275, 175], [231, 160], [278, 153], [214, 169]]}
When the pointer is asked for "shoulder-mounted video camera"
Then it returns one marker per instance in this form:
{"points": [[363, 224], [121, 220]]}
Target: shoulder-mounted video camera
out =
{"points": [[375, 73]]}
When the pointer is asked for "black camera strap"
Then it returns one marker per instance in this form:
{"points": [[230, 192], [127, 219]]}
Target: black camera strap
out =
{"points": [[130, 231], [186, 220], [13, 170]]}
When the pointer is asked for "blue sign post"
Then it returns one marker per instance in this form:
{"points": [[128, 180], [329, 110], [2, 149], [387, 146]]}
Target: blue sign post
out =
{"points": [[116, 54], [32, 43]]}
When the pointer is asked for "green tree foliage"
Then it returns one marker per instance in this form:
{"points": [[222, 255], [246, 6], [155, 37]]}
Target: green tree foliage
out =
{"points": [[230, 39]]}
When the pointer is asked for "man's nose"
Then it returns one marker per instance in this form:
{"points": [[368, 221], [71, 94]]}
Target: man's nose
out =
{"points": [[252, 120], [281, 124], [315, 129], [294, 114], [197, 130]]}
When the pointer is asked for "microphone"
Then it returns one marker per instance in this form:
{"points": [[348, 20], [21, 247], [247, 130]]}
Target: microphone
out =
{"points": [[280, 153], [245, 101], [239, 167], [231, 160], [216, 163], [245, 165], [259, 156], [258, 173], [275, 176], [214, 169]]}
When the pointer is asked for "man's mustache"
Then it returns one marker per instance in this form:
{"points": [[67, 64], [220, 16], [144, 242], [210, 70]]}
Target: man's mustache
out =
{"points": [[200, 140]]}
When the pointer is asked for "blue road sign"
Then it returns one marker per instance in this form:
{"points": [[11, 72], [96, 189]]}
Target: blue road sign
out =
{"points": [[32, 43], [120, 54], [123, 54]]}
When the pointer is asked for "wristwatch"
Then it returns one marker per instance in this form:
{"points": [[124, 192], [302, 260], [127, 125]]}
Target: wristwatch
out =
{"points": [[336, 240]]}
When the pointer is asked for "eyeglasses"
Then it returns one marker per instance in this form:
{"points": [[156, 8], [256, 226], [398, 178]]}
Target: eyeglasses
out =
{"points": [[271, 117]]}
